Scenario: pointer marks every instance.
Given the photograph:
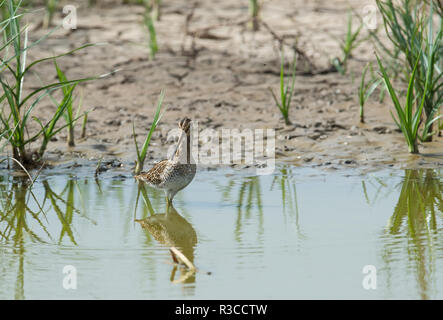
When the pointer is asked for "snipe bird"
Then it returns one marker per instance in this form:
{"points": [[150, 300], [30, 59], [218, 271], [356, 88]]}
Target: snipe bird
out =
{"points": [[175, 173]]}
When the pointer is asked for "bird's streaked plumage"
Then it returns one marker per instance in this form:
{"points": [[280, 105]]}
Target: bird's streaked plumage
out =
{"points": [[172, 175]]}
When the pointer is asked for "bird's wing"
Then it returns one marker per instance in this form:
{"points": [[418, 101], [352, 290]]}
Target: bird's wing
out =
{"points": [[154, 175]]}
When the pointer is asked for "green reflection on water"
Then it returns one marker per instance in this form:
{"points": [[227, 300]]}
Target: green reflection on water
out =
{"points": [[16, 217], [65, 216], [415, 223], [286, 183], [246, 194], [415, 220]]}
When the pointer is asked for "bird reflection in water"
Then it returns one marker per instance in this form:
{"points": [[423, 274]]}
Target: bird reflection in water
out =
{"points": [[173, 230]]}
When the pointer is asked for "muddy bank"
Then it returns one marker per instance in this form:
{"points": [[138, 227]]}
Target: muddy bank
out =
{"points": [[220, 76]]}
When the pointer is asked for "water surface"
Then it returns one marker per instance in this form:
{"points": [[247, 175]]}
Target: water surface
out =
{"points": [[299, 233]]}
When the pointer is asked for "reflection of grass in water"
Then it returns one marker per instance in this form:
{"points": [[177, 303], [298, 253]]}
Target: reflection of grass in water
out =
{"points": [[249, 193], [147, 207], [157, 197], [15, 209], [288, 195], [13, 212], [419, 201], [381, 189], [17, 218], [65, 218], [416, 218], [288, 190]]}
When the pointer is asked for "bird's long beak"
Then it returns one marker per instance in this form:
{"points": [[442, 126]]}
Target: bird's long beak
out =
{"points": [[180, 141]]}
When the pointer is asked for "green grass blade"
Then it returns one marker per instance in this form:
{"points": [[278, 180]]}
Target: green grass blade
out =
{"points": [[392, 93], [157, 118]]}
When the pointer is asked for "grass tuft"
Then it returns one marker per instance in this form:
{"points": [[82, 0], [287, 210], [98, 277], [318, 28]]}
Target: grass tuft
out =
{"points": [[408, 120], [348, 45], [286, 92], [141, 154], [19, 104], [149, 23], [410, 28], [51, 6], [254, 11], [365, 90]]}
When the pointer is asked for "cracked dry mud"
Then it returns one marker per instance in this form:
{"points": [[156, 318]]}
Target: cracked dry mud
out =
{"points": [[221, 78]]}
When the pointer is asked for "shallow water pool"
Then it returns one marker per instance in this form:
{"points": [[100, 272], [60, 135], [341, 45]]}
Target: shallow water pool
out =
{"points": [[296, 234]]}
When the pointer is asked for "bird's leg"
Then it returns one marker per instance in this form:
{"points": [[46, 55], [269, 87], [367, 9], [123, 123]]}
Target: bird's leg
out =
{"points": [[168, 203]]}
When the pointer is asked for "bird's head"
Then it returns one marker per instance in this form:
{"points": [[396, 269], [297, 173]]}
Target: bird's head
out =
{"points": [[185, 125]]}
